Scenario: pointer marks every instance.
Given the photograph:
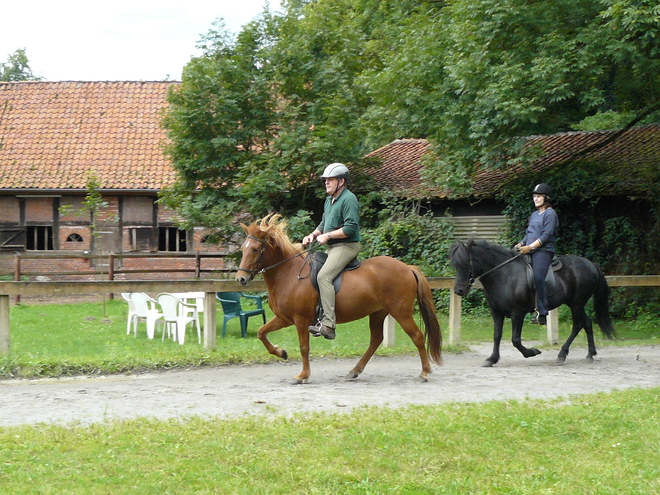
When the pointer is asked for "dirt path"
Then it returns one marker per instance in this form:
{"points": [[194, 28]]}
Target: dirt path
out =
{"points": [[265, 389]]}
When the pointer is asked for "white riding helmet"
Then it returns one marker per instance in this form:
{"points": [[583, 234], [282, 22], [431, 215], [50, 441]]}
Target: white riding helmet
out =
{"points": [[335, 170]]}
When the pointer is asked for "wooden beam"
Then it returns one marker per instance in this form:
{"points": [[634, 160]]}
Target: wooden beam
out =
{"points": [[633, 280], [64, 288]]}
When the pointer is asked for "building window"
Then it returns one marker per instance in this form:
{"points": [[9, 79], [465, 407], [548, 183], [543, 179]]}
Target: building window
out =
{"points": [[172, 239], [142, 239], [39, 238], [74, 238]]}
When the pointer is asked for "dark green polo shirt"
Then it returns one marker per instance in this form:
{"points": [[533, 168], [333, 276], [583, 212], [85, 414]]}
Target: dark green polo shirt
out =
{"points": [[344, 213]]}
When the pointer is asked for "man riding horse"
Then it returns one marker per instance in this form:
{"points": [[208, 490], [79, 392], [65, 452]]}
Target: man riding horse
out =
{"points": [[340, 230]]}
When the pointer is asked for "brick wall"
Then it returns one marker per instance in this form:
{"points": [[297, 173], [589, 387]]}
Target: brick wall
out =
{"points": [[75, 237]]}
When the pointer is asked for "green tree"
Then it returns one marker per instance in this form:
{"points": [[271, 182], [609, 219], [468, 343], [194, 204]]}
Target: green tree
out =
{"points": [[258, 116], [514, 68], [17, 68], [221, 124]]}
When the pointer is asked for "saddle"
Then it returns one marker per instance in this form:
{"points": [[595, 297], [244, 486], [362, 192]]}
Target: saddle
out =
{"points": [[550, 277], [316, 261]]}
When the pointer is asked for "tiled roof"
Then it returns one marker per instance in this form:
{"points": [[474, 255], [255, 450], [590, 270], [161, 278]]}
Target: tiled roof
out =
{"points": [[53, 134], [626, 159], [400, 163]]}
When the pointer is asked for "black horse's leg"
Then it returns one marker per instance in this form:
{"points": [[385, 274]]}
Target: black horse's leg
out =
{"points": [[498, 324], [588, 327], [517, 320], [580, 321]]}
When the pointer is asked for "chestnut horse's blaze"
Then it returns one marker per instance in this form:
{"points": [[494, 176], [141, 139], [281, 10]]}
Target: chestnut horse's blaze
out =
{"points": [[381, 286]]}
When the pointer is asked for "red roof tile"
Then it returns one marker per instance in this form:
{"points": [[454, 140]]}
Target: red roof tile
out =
{"points": [[627, 159], [53, 134]]}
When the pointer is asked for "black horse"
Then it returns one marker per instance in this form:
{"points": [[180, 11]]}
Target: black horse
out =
{"points": [[503, 275]]}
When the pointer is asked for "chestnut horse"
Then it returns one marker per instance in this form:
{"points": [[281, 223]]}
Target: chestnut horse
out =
{"points": [[381, 286]]}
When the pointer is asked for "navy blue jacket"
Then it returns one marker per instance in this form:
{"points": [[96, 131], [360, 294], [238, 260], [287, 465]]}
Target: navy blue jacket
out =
{"points": [[543, 226]]}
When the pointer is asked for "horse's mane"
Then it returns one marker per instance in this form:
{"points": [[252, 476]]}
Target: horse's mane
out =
{"points": [[274, 227], [458, 253]]}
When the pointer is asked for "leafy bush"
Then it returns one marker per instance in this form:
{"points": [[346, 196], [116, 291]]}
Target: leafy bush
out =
{"points": [[421, 240]]}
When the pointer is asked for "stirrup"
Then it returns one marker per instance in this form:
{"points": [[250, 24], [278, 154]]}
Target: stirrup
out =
{"points": [[315, 329], [535, 318], [539, 319]]}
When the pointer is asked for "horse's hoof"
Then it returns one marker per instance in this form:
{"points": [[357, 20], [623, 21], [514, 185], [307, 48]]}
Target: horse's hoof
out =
{"points": [[422, 379], [298, 381], [284, 355], [588, 359], [487, 364], [352, 375], [533, 352], [560, 360]]}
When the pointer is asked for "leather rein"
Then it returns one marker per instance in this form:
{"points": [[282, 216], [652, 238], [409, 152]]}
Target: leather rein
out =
{"points": [[257, 270], [471, 277]]}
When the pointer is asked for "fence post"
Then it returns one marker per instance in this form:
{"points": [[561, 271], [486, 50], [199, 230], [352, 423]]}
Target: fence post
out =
{"points": [[553, 326], [388, 331], [17, 273], [210, 321], [198, 265], [455, 307], [4, 324], [111, 271]]}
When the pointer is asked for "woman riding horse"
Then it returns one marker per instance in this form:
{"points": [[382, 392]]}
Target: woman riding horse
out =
{"points": [[503, 275]]}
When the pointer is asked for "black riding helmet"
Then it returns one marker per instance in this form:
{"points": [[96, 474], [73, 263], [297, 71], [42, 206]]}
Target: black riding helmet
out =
{"points": [[542, 189]]}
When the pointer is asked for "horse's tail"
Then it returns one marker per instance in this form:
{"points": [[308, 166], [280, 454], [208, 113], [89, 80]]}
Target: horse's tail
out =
{"points": [[602, 305], [427, 310]]}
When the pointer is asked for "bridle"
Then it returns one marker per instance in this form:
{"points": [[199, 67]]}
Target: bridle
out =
{"points": [[471, 278], [256, 270]]}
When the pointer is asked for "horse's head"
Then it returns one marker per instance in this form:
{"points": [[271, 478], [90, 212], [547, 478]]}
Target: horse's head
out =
{"points": [[474, 259], [460, 257], [265, 244], [252, 253]]}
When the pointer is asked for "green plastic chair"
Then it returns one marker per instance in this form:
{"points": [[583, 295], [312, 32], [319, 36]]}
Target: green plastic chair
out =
{"points": [[231, 307]]}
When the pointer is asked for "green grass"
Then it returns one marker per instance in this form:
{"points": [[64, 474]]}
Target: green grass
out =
{"points": [[596, 444], [591, 444], [644, 330], [57, 340]]}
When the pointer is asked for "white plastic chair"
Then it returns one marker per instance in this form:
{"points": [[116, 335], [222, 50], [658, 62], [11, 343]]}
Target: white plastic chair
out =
{"points": [[131, 313], [188, 297], [145, 309], [176, 317]]}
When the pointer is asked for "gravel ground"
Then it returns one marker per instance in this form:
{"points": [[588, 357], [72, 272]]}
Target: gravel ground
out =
{"points": [[232, 391]]}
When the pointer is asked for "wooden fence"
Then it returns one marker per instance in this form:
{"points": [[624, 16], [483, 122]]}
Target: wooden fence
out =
{"points": [[108, 263], [210, 287]]}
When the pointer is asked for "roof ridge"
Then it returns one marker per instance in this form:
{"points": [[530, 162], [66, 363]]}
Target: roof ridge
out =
{"points": [[602, 131]]}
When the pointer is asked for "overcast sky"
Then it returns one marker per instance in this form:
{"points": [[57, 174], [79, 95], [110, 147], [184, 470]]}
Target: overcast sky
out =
{"points": [[118, 40]]}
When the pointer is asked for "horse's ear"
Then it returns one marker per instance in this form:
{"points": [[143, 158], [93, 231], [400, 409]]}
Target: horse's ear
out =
{"points": [[244, 227]]}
